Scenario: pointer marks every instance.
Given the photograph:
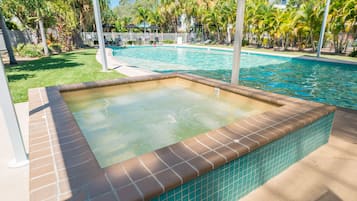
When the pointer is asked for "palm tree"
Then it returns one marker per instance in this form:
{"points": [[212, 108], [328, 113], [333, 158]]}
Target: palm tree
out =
{"points": [[143, 16], [287, 28], [43, 36], [261, 21], [190, 8], [213, 21], [349, 15], [228, 13], [172, 10], [156, 18], [40, 7], [310, 14], [276, 20]]}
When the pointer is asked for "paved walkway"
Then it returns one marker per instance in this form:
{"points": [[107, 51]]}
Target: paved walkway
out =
{"points": [[14, 182], [328, 173], [122, 67]]}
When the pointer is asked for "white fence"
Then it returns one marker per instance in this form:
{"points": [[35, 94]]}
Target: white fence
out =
{"points": [[90, 38]]}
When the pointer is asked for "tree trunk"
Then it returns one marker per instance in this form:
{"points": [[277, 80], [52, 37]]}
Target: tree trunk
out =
{"points": [[203, 34], [341, 46], [144, 32], [43, 36], [77, 39], [335, 43], [248, 31], [312, 39], [69, 42], [26, 31], [346, 41], [286, 42], [5, 34]]}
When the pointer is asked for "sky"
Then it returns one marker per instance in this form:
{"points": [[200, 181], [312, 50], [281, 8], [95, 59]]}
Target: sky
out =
{"points": [[114, 3]]}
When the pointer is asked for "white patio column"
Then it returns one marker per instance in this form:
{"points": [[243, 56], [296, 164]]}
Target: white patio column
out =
{"points": [[98, 23], [323, 27], [12, 125], [238, 36]]}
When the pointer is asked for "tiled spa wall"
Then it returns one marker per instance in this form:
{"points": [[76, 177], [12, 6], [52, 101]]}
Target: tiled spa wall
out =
{"points": [[241, 176]]}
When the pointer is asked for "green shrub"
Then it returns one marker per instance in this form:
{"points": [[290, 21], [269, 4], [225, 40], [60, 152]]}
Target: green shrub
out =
{"points": [[353, 53], [55, 48], [29, 50], [11, 25], [19, 47], [354, 43], [245, 42], [131, 42], [265, 42], [168, 41]]}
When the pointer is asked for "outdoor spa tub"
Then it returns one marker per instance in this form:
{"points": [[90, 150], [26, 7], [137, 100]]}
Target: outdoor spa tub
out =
{"points": [[165, 137]]}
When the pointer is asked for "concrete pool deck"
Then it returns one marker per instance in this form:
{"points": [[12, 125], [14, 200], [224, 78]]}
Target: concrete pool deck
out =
{"points": [[14, 182], [328, 172], [123, 68]]}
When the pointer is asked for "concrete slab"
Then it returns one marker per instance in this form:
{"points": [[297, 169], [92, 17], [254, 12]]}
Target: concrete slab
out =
{"points": [[121, 67], [14, 182]]}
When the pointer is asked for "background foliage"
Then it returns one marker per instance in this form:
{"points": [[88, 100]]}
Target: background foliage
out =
{"points": [[297, 26]]}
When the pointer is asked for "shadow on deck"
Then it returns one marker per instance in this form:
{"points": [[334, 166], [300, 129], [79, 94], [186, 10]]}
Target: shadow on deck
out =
{"points": [[345, 125]]}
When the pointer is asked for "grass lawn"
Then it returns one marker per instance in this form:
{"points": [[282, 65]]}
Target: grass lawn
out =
{"points": [[73, 67]]}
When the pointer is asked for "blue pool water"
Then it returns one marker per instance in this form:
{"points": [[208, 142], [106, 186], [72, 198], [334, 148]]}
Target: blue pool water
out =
{"points": [[326, 82]]}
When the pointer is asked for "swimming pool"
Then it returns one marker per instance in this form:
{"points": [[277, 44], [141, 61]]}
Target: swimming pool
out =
{"points": [[326, 82], [168, 111]]}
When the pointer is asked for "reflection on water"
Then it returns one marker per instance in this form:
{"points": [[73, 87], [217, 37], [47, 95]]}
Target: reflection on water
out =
{"points": [[334, 86]]}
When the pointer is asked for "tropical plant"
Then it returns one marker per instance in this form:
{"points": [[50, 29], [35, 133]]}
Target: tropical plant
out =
{"points": [[69, 18], [298, 25], [310, 15], [29, 50], [342, 19]]}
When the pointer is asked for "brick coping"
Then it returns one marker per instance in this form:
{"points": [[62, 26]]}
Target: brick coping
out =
{"points": [[63, 167]]}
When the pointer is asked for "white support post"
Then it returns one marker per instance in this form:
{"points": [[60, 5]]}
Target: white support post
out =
{"points": [[238, 36], [11, 121], [98, 23], [323, 27]]}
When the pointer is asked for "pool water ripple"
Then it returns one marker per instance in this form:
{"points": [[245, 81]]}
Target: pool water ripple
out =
{"points": [[326, 82]]}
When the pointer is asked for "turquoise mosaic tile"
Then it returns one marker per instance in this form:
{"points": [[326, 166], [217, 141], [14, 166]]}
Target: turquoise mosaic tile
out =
{"points": [[239, 177]]}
